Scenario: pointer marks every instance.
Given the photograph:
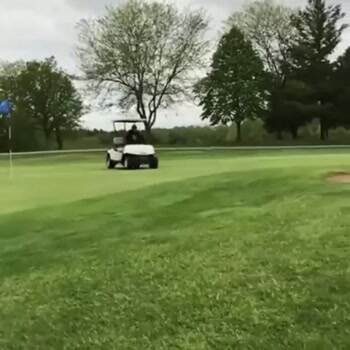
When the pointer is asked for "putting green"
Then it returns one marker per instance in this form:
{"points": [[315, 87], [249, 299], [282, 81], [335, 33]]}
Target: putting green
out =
{"points": [[54, 180]]}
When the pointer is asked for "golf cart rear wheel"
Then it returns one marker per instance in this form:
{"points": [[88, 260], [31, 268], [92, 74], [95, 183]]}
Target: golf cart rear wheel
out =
{"points": [[109, 162], [153, 162], [132, 162]]}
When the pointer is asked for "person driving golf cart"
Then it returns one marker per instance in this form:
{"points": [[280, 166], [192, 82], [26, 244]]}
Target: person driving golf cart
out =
{"points": [[134, 137]]}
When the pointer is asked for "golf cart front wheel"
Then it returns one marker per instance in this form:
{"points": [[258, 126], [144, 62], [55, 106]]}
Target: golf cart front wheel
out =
{"points": [[109, 162], [131, 162]]}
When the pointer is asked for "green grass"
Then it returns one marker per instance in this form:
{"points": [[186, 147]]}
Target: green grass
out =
{"points": [[219, 250]]}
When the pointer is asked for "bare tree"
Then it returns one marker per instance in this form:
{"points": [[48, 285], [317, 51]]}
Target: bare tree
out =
{"points": [[269, 26], [145, 53]]}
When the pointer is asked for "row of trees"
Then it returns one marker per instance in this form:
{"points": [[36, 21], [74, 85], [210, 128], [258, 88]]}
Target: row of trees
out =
{"points": [[273, 63], [139, 55], [276, 64], [45, 101], [253, 130]]}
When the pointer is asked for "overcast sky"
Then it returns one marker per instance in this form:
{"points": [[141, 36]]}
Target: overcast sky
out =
{"points": [[34, 29]]}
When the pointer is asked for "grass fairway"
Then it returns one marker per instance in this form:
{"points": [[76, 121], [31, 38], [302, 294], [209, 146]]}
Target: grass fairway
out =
{"points": [[213, 251]]}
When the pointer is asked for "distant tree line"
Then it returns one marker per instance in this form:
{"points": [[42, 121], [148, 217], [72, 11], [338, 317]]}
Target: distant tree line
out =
{"points": [[255, 134]]}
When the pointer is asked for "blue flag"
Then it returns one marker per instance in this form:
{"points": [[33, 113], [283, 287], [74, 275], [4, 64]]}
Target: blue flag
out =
{"points": [[5, 108]]}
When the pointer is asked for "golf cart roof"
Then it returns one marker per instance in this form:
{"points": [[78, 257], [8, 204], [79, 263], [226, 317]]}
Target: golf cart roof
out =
{"points": [[128, 121]]}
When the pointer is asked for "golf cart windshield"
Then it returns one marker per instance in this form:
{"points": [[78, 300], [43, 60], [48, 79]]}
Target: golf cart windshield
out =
{"points": [[129, 131]]}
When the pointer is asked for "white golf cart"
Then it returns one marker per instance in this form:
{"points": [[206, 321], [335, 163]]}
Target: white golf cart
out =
{"points": [[131, 154]]}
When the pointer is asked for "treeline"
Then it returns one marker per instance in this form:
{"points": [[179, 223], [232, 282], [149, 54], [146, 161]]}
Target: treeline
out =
{"points": [[275, 64], [274, 78], [254, 135]]}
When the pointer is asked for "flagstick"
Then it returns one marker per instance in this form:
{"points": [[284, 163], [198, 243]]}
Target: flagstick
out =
{"points": [[10, 148]]}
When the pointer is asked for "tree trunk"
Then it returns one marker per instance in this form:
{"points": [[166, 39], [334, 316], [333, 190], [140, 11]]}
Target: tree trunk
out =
{"points": [[294, 132], [239, 132], [59, 139], [324, 131], [46, 127], [148, 132], [47, 139]]}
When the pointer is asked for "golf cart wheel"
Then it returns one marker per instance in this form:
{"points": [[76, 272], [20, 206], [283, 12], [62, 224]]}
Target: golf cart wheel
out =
{"points": [[131, 162], [109, 162], [153, 162]]}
